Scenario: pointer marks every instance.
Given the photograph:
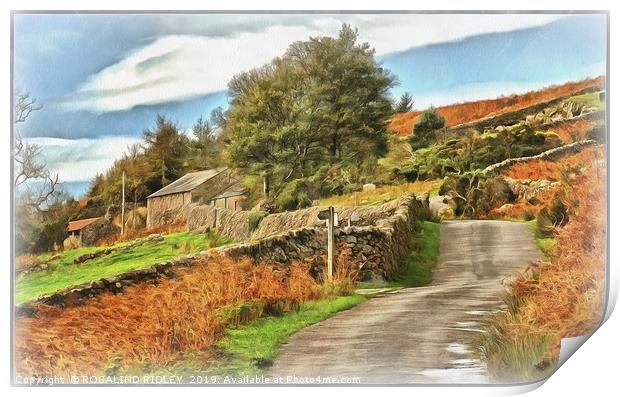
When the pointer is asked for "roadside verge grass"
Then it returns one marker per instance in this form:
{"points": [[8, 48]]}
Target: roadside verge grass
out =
{"points": [[418, 266], [250, 349], [544, 244]]}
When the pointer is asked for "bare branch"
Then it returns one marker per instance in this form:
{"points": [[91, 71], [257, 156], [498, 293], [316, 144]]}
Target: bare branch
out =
{"points": [[24, 106]]}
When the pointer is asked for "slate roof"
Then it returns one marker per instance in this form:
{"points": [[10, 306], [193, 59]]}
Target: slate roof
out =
{"points": [[80, 224], [236, 189], [188, 182]]}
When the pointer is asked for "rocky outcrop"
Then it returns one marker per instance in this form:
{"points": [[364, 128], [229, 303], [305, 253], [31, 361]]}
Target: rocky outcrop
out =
{"points": [[525, 189], [510, 118]]}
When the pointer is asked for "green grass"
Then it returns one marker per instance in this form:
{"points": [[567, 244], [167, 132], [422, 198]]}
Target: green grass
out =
{"points": [[63, 273], [382, 194], [515, 359], [591, 99], [247, 350], [418, 266], [545, 244]]}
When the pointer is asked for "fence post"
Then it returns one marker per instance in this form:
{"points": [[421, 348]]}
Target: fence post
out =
{"points": [[330, 244]]}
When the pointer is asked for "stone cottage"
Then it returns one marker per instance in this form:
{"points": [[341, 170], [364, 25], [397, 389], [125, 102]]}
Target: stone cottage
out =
{"points": [[216, 187], [89, 231]]}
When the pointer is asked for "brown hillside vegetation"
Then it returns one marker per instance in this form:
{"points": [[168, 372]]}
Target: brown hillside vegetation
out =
{"points": [[561, 297], [150, 325], [551, 170], [402, 124], [573, 131], [588, 160]]}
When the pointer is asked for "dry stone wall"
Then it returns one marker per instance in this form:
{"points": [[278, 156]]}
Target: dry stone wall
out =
{"points": [[377, 250]]}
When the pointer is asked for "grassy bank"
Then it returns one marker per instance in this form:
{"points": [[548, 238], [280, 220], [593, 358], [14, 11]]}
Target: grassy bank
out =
{"points": [[248, 350], [63, 272], [382, 194], [418, 266]]}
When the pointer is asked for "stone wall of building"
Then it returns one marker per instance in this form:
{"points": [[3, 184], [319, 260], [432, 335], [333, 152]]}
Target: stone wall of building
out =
{"points": [[98, 230], [231, 223]]}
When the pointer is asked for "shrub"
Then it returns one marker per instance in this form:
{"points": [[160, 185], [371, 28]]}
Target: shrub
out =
{"points": [[550, 218], [255, 218], [424, 129], [294, 196]]}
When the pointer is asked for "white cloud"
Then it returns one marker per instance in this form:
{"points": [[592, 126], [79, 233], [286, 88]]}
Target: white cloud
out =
{"points": [[182, 66], [81, 159]]}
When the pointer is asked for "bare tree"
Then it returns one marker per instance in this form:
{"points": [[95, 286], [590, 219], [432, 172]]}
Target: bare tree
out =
{"points": [[24, 106], [27, 163]]}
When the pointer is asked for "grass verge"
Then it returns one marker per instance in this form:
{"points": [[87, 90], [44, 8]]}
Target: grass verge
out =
{"points": [[544, 244], [418, 266], [249, 350]]}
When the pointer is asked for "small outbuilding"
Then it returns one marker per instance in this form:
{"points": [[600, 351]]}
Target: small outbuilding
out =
{"points": [[89, 231], [217, 187]]}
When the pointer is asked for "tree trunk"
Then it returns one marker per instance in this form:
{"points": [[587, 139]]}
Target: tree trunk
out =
{"points": [[266, 185], [135, 206]]}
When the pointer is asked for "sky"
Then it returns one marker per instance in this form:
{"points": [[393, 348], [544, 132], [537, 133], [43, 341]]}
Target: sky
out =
{"points": [[103, 78]]}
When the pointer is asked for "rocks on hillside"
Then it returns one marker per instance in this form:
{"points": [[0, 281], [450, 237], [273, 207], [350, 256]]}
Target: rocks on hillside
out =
{"points": [[525, 189]]}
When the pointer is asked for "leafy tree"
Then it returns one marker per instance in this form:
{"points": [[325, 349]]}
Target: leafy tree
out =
{"points": [[203, 131], [207, 148], [270, 127], [404, 103], [96, 186], [348, 91], [323, 103], [424, 130]]}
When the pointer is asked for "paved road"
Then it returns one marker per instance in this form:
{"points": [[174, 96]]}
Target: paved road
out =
{"points": [[419, 335]]}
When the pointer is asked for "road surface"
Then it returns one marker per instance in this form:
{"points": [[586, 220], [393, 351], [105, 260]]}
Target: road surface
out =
{"points": [[418, 335]]}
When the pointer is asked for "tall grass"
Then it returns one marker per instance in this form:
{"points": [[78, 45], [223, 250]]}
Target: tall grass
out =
{"points": [[155, 325], [588, 160], [560, 297]]}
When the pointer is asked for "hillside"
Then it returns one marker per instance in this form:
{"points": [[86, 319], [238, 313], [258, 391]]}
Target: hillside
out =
{"points": [[460, 113]]}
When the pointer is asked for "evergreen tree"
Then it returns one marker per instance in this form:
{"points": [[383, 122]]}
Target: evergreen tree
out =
{"points": [[404, 104]]}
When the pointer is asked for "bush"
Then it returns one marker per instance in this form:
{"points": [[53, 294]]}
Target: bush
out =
{"points": [[255, 218], [424, 130], [294, 196]]}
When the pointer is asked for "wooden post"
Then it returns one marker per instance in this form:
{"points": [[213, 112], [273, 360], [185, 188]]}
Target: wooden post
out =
{"points": [[330, 244], [123, 207]]}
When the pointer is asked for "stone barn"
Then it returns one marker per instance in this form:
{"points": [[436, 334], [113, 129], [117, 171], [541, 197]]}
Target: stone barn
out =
{"points": [[89, 231], [217, 187]]}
